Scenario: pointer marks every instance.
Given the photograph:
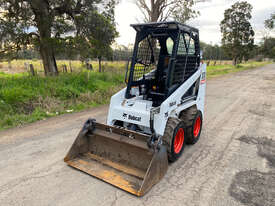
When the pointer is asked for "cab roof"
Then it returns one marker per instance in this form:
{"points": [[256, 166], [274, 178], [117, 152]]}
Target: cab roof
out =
{"points": [[164, 25]]}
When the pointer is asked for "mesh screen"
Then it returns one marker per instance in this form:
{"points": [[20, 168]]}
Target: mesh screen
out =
{"points": [[181, 73], [147, 57], [182, 48]]}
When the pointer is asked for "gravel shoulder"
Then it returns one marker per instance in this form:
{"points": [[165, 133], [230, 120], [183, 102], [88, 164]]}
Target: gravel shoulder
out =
{"points": [[232, 164]]}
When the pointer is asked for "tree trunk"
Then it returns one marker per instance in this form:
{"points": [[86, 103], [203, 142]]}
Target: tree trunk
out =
{"points": [[235, 61], [44, 21], [154, 15], [99, 64], [49, 62]]}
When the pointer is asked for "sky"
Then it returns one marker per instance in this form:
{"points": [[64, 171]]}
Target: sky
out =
{"points": [[208, 22]]}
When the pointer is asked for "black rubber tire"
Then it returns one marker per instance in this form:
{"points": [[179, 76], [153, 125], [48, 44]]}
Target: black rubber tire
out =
{"points": [[189, 118], [172, 127]]}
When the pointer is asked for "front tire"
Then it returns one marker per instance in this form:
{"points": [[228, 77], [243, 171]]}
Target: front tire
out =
{"points": [[174, 137]]}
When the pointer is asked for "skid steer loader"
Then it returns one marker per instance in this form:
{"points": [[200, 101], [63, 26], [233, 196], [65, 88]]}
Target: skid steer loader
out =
{"points": [[150, 121]]}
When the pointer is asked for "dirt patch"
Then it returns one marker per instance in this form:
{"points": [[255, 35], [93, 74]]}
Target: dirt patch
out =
{"points": [[255, 112], [254, 188], [265, 147], [272, 78], [248, 139]]}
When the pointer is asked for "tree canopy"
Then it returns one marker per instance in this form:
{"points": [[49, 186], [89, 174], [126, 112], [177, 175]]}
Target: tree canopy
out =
{"points": [[162, 10], [237, 32], [268, 48], [270, 23], [51, 26]]}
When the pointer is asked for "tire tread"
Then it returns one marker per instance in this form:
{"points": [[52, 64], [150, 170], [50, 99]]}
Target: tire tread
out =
{"points": [[188, 117], [168, 135]]}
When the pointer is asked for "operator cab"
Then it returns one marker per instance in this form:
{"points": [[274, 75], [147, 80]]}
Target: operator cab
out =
{"points": [[165, 55]]}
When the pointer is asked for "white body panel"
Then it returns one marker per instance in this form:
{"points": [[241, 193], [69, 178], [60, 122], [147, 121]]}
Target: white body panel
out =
{"points": [[134, 107], [137, 111]]}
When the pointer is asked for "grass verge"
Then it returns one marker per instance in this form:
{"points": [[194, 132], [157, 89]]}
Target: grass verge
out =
{"points": [[214, 71], [25, 99]]}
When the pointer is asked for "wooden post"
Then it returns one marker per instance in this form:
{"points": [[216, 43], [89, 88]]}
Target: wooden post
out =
{"points": [[32, 70], [99, 64], [89, 68], [70, 65], [64, 68]]}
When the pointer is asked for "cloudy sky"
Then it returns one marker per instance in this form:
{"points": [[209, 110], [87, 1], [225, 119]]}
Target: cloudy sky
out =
{"points": [[208, 22]]}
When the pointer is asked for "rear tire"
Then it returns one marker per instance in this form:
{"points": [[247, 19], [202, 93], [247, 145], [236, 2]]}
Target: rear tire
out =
{"points": [[174, 137], [193, 121]]}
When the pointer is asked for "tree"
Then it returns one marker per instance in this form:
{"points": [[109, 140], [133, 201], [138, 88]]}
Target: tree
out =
{"points": [[47, 25], [99, 43], [161, 10], [270, 23], [212, 52], [237, 32], [268, 48]]}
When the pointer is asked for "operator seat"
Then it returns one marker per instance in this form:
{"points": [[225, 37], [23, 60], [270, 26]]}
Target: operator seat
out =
{"points": [[157, 92]]}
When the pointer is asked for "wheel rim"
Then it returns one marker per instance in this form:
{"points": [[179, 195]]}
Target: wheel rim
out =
{"points": [[197, 127], [179, 139]]}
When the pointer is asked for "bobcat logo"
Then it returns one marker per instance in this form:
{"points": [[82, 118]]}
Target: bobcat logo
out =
{"points": [[132, 117]]}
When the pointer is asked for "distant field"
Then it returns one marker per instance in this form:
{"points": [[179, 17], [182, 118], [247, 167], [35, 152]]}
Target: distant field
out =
{"points": [[18, 66], [25, 99], [213, 71]]}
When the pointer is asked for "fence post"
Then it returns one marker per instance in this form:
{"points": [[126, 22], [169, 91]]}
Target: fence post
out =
{"points": [[32, 70], [70, 64], [64, 68], [89, 66]]}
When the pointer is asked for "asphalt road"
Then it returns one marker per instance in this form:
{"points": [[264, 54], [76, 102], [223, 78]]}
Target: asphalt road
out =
{"points": [[232, 164]]}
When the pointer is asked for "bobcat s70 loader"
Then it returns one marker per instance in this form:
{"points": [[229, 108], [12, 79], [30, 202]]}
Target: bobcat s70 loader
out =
{"points": [[150, 121]]}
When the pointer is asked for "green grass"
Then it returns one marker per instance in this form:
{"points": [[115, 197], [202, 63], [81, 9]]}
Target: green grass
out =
{"points": [[25, 99], [214, 71]]}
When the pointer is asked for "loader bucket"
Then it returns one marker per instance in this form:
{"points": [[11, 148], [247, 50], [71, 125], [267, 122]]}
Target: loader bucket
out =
{"points": [[118, 156]]}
